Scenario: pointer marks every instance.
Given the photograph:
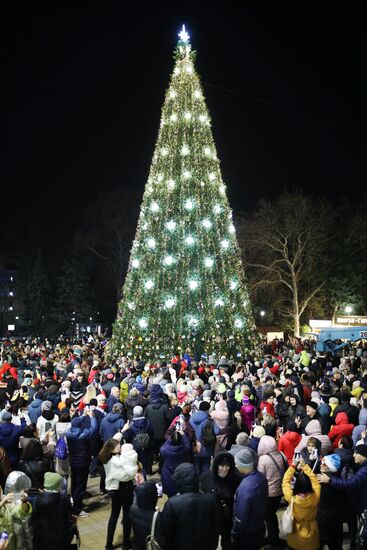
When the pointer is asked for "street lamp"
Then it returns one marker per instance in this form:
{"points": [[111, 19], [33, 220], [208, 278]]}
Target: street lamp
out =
{"points": [[262, 313], [348, 311]]}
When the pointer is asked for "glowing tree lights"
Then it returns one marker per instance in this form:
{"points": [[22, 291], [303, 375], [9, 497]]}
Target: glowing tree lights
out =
{"points": [[185, 284]]}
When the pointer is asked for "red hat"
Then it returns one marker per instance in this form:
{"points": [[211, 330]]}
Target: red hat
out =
{"points": [[36, 381]]}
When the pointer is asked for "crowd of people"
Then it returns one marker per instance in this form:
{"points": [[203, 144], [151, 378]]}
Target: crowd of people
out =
{"points": [[234, 444]]}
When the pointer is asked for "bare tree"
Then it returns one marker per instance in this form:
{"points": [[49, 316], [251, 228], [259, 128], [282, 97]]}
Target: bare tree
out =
{"points": [[286, 245], [107, 231]]}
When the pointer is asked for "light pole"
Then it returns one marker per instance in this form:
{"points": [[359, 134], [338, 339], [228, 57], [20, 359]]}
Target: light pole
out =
{"points": [[262, 313], [348, 311]]}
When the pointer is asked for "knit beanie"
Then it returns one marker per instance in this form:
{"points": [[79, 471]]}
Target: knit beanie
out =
{"points": [[46, 406], [137, 410], [313, 405], [361, 449], [258, 432], [333, 462], [245, 458]]}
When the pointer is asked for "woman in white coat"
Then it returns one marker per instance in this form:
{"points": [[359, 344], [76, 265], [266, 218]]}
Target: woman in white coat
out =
{"points": [[121, 466]]}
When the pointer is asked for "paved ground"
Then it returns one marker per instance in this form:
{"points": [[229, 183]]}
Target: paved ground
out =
{"points": [[93, 529]]}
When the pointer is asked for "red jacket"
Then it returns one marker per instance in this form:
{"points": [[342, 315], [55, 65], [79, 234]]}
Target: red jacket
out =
{"points": [[342, 427], [287, 443], [268, 406]]}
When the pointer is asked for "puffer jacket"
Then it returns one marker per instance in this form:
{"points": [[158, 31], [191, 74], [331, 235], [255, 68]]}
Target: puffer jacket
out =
{"points": [[198, 422], [110, 425], [121, 467], [267, 451], [220, 415], [342, 427], [158, 416], [34, 410], [287, 443], [79, 444], [313, 429], [305, 534]]}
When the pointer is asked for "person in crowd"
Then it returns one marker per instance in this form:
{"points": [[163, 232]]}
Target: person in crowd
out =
{"points": [[5, 467], [47, 421], [311, 454], [53, 522], [78, 441], [250, 503], [222, 480], [204, 444], [157, 412], [113, 398], [9, 437], [12, 514], [289, 440], [175, 451], [242, 440], [256, 434], [62, 465], [330, 508], [34, 464], [273, 464], [135, 399], [141, 514], [301, 486], [342, 427], [112, 423], [248, 412], [356, 485], [179, 529], [313, 429], [121, 465]]}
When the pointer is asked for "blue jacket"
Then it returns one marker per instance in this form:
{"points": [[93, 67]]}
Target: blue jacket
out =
{"points": [[173, 455], [79, 444], [198, 422], [357, 484], [250, 502], [9, 439], [34, 410], [110, 425]]}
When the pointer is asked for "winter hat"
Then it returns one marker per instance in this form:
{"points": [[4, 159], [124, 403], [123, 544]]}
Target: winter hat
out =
{"points": [[186, 478], [52, 481], [245, 458], [258, 432], [291, 426], [156, 391], [333, 462], [246, 400], [137, 411], [46, 406], [36, 381], [204, 406], [5, 416], [361, 449], [77, 421], [207, 393], [146, 495], [313, 405], [230, 394], [134, 392], [334, 401]]}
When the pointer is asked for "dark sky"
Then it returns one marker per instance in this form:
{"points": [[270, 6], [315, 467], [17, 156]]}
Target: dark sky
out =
{"points": [[82, 92]]}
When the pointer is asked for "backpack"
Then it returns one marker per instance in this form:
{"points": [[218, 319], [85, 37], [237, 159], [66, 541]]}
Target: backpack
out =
{"points": [[208, 437], [141, 441], [61, 449]]}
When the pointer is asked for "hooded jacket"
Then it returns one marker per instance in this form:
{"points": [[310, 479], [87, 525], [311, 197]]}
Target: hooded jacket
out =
{"points": [[52, 516], [173, 455], [250, 504], [222, 488], [287, 443], [313, 429], [198, 422], [274, 474], [220, 415], [9, 439], [187, 518], [110, 425], [305, 534], [141, 515], [342, 427], [34, 410], [158, 415], [79, 443]]}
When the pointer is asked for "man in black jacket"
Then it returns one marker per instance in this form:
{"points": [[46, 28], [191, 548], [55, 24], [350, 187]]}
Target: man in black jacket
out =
{"points": [[188, 518]]}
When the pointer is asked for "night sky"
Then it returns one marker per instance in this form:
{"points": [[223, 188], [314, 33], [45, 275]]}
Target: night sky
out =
{"points": [[82, 92]]}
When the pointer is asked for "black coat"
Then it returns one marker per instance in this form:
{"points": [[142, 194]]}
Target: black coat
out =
{"points": [[141, 520], [158, 416], [52, 521], [187, 522]]}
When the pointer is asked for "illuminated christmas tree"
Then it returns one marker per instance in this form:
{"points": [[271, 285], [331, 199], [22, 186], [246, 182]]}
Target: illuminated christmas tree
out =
{"points": [[185, 285]]}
